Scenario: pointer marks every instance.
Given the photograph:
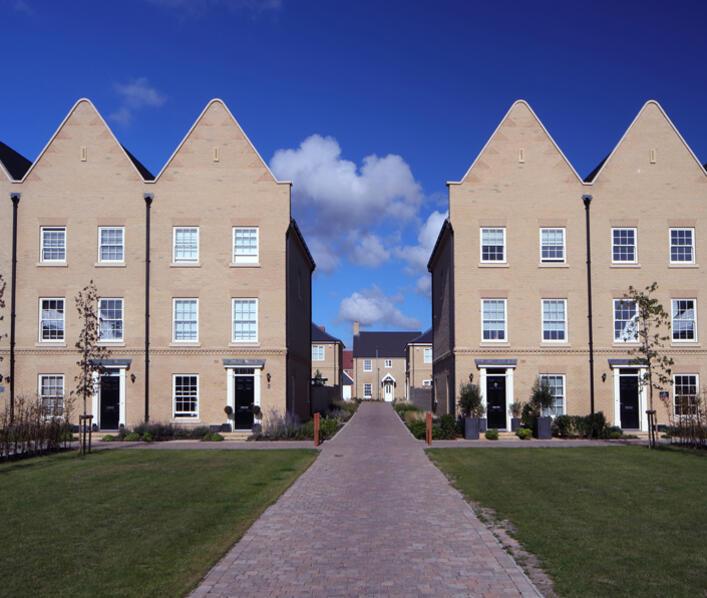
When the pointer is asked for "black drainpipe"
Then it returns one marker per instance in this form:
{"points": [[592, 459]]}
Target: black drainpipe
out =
{"points": [[587, 199], [15, 197], [148, 203]]}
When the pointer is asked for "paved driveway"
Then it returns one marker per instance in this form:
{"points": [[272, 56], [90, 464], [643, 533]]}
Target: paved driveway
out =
{"points": [[371, 517]]}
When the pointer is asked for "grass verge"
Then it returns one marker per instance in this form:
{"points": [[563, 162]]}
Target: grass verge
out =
{"points": [[604, 521], [131, 522]]}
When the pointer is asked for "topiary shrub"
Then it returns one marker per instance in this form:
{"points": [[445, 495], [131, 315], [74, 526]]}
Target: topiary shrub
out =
{"points": [[492, 434], [470, 403], [524, 433]]}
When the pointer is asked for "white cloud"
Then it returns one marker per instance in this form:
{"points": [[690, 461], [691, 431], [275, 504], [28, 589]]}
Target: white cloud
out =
{"points": [[341, 203], [134, 96], [372, 306], [418, 255], [424, 285], [369, 251]]}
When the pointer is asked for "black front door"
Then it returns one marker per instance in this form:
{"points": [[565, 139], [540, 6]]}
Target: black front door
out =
{"points": [[110, 402], [245, 396], [628, 401], [496, 401]]}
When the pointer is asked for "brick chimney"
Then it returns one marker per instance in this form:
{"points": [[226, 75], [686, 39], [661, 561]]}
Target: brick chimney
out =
{"points": [[355, 328]]}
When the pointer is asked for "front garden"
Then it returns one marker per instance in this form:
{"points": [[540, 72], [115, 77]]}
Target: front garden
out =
{"points": [[131, 523], [604, 521]]}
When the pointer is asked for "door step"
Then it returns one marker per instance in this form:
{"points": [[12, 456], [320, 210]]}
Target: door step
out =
{"points": [[236, 436]]}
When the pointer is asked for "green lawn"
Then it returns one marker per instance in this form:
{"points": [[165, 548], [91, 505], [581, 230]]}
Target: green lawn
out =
{"points": [[131, 522], [609, 521]]}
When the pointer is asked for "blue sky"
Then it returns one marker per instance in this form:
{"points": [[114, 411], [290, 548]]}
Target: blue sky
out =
{"points": [[368, 106]]}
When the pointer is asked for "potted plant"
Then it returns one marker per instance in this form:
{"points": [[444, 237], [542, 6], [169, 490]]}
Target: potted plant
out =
{"points": [[227, 427], [516, 410], [541, 399], [472, 410]]}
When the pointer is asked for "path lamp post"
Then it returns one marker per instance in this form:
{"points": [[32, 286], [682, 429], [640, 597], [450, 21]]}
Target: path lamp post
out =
{"points": [[587, 200]]}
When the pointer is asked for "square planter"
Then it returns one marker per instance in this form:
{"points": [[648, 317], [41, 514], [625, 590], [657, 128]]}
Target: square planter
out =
{"points": [[515, 424], [543, 428], [472, 428], [484, 424]]}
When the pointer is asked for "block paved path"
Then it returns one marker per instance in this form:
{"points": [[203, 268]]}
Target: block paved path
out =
{"points": [[371, 517]]}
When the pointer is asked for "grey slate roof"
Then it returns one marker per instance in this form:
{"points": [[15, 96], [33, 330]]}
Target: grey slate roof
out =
{"points": [[14, 162], [424, 339], [385, 344], [322, 336]]}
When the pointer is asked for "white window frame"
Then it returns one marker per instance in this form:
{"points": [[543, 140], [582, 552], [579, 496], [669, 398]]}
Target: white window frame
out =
{"points": [[42, 229], [427, 383], [174, 321], [122, 320], [316, 355], [387, 363], [613, 320], [368, 395], [425, 352], [563, 230], [53, 340], [481, 245], [233, 321], [63, 391], [176, 260], [246, 259], [122, 232], [185, 415], [505, 321], [697, 392], [542, 321], [635, 244], [672, 320], [563, 377], [369, 363], [670, 245]]}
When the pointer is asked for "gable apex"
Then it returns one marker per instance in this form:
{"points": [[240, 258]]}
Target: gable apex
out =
{"points": [[211, 104], [520, 106]]}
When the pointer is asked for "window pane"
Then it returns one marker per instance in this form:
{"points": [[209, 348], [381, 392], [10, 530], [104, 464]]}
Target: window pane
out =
{"points": [[367, 390], [52, 320], [624, 244], [245, 320], [186, 396], [367, 365], [685, 392], [186, 245], [552, 244], [684, 320], [625, 320], [245, 244], [111, 244], [494, 319], [186, 320], [557, 387], [428, 355], [554, 319], [317, 352], [492, 245], [53, 244], [110, 314], [51, 392], [681, 245]]}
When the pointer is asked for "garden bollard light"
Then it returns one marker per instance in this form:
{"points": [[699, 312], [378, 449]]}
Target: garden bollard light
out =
{"points": [[316, 429]]}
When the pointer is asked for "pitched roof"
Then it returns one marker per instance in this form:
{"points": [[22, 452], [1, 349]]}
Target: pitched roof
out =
{"points": [[424, 339], [590, 177], [382, 344], [446, 227], [347, 359], [15, 163], [348, 380], [319, 335], [142, 169]]}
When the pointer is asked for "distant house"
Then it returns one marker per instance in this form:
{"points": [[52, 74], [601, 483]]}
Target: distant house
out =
{"points": [[418, 370], [349, 381], [327, 357], [379, 363]]}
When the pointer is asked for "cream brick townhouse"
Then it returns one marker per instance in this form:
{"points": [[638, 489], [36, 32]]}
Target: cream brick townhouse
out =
{"points": [[509, 275], [418, 370], [204, 279], [327, 358]]}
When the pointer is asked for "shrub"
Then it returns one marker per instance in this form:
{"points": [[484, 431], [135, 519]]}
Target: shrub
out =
{"points": [[583, 426], [516, 408], [447, 427], [564, 426], [524, 433], [541, 397], [418, 428], [492, 434], [614, 432], [109, 438], [132, 437], [212, 437], [147, 437], [470, 403]]}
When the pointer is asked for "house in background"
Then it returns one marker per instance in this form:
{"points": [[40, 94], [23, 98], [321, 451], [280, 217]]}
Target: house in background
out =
{"points": [[509, 276], [379, 364], [327, 358], [225, 317], [349, 380], [418, 371]]}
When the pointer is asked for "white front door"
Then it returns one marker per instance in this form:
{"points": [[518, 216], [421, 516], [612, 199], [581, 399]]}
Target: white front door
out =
{"points": [[388, 391]]}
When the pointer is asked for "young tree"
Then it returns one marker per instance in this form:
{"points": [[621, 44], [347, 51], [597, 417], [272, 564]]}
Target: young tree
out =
{"points": [[652, 331], [91, 353]]}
